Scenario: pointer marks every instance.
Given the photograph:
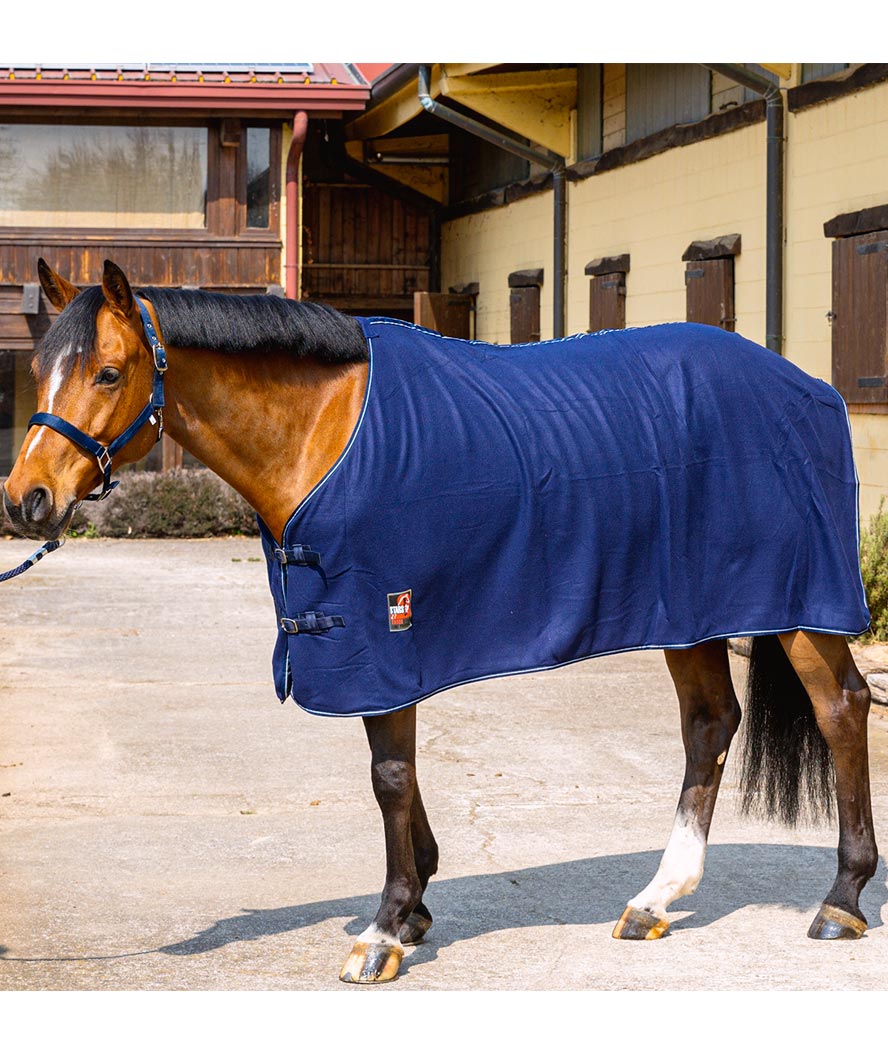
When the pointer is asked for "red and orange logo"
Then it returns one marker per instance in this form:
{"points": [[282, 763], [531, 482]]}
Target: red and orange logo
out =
{"points": [[400, 605]]}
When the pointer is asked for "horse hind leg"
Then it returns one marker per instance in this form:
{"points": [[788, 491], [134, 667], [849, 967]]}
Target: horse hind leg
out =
{"points": [[841, 700], [710, 715]]}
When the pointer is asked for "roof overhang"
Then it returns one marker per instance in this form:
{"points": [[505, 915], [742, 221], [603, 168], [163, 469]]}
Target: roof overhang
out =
{"points": [[187, 90]]}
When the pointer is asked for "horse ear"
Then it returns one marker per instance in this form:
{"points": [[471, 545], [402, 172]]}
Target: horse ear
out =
{"points": [[58, 291], [117, 290]]}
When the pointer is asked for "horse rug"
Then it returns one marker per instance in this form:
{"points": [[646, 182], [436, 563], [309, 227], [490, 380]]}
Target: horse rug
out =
{"points": [[503, 509]]}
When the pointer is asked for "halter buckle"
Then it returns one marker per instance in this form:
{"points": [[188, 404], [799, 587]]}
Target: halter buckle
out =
{"points": [[104, 459]]}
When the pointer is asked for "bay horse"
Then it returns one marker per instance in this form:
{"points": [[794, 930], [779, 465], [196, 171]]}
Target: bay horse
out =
{"points": [[269, 394]]}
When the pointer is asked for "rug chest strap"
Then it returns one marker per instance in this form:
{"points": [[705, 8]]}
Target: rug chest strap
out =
{"points": [[311, 622], [299, 555]]}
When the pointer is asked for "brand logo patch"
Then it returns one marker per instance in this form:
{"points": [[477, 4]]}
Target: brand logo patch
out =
{"points": [[400, 605]]}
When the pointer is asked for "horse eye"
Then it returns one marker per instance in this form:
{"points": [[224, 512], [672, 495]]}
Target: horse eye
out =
{"points": [[108, 375]]}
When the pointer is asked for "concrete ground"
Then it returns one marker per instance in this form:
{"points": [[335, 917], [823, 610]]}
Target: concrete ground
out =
{"points": [[166, 824]]}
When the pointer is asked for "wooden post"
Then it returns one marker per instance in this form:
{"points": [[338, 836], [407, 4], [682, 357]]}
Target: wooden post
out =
{"points": [[171, 454]]}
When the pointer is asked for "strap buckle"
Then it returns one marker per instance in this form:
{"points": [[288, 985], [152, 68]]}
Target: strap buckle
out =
{"points": [[299, 555]]}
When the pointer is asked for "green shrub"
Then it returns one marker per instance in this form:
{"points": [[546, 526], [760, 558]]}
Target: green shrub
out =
{"points": [[874, 568], [185, 502]]}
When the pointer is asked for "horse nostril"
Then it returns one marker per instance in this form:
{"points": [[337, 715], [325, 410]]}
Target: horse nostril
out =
{"points": [[37, 504]]}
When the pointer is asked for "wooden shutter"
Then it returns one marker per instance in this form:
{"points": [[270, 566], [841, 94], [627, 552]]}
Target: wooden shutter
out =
{"points": [[524, 312], [607, 302], [524, 306], [860, 317], [709, 285], [448, 313]]}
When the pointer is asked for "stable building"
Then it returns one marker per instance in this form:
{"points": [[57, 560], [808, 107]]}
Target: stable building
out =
{"points": [[507, 202], [583, 197], [185, 176]]}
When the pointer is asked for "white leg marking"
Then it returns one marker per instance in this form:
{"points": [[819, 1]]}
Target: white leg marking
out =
{"points": [[373, 934], [680, 868]]}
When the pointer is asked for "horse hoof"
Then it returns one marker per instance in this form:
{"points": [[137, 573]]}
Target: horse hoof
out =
{"points": [[372, 963], [638, 924], [832, 923], [416, 926]]}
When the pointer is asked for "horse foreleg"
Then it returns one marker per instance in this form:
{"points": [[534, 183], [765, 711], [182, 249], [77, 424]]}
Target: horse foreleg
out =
{"points": [[841, 701], [377, 954], [710, 715]]}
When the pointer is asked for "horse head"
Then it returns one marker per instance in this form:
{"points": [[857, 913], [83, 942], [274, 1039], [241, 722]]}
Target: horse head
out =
{"points": [[93, 374]]}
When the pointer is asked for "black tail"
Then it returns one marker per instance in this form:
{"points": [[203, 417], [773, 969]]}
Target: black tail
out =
{"points": [[787, 766]]}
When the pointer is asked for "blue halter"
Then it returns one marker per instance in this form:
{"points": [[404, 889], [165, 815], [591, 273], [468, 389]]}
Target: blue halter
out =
{"points": [[153, 413]]}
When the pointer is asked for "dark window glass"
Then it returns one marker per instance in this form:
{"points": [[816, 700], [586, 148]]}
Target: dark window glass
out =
{"points": [[258, 176]]}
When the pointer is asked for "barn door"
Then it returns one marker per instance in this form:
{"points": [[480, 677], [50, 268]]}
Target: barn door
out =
{"points": [[450, 314]]}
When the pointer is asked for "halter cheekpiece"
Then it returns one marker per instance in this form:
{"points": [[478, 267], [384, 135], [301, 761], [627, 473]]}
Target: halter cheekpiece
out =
{"points": [[152, 412]]}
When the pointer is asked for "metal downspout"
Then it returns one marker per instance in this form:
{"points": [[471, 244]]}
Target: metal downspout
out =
{"points": [[775, 195], [541, 157], [291, 257]]}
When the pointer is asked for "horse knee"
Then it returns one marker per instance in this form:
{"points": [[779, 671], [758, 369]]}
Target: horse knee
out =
{"points": [[393, 783]]}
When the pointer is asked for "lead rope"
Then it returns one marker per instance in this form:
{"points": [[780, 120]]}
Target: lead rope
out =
{"points": [[50, 546]]}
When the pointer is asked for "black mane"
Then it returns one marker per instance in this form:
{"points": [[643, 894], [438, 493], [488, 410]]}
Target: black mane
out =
{"points": [[234, 324], [216, 322]]}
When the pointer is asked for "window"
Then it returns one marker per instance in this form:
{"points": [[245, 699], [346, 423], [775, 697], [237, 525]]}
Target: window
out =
{"points": [[859, 315], [663, 94], [524, 306], [107, 176], [258, 148], [607, 292], [709, 281]]}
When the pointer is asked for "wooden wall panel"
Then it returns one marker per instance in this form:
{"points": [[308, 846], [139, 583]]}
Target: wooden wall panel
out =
{"points": [[206, 262], [363, 249]]}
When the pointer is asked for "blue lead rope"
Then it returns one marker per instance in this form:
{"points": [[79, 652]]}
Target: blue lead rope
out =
{"points": [[50, 546]]}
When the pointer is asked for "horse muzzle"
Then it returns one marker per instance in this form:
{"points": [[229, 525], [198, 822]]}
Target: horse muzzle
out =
{"points": [[36, 516]]}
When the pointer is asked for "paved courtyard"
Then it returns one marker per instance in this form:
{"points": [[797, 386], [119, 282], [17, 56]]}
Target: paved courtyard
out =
{"points": [[166, 824]]}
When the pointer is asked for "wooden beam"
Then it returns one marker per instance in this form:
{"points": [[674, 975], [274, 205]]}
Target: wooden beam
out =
{"points": [[782, 69], [533, 103], [394, 111]]}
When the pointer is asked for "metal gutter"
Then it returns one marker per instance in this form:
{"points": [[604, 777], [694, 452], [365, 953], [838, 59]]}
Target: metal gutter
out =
{"points": [[390, 82], [546, 158], [775, 195], [291, 258]]}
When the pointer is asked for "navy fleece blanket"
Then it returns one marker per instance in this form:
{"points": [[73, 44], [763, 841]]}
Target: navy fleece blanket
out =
{"points": [[501, 509]]}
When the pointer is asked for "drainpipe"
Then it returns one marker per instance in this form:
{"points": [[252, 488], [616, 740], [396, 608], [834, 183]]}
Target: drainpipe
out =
{"points": [[775, 194], [291, 258], [541, 157]]}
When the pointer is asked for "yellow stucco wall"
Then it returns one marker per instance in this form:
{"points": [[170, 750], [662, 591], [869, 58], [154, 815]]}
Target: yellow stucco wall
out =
{"points": [[837, 161]]}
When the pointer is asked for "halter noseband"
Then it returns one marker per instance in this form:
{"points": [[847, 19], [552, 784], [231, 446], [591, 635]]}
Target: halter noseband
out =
{"points": [[152, 412]]}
